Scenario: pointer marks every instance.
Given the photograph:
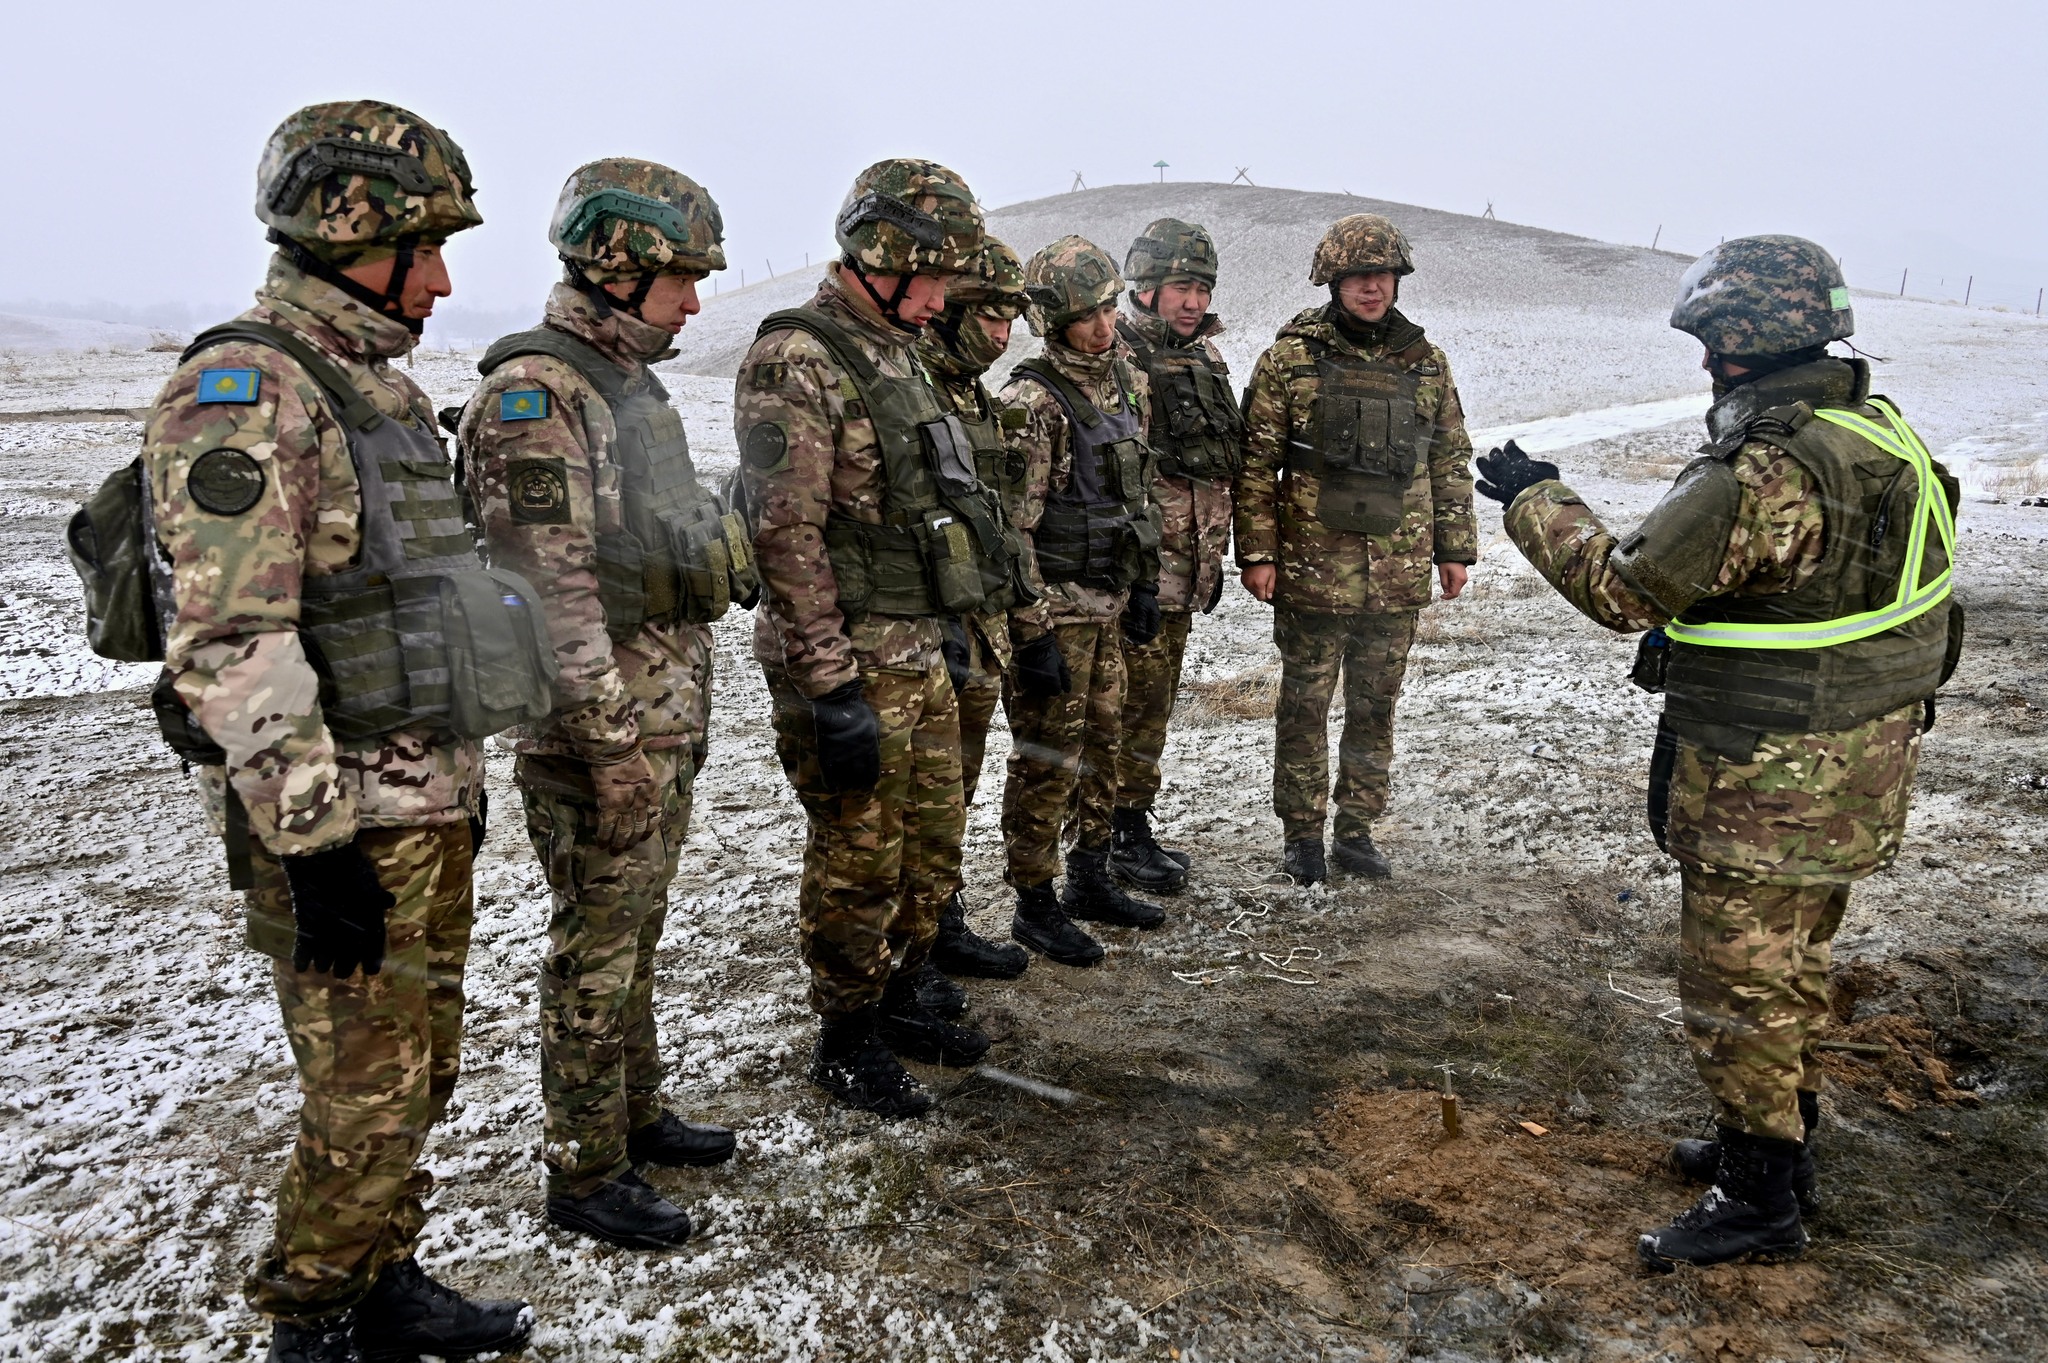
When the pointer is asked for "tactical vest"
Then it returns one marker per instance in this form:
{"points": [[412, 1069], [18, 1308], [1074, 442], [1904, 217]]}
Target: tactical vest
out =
{"points": [[1197, 429], [1872, 630], [1099, 529], [416, 634], [939, 548], [1365, 440], [681, 555], [985, 425]]}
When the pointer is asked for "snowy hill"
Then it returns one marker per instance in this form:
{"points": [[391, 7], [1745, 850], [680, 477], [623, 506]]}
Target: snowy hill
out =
{"points": [[1536, 323], [70, 333]]}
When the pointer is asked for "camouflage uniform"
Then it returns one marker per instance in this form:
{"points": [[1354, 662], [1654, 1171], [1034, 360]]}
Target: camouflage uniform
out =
{"points": [[650, 693], [377, 1055], [1345, 602], [1770, 828], [1194, 532], [879, 862], [1063, 755]]}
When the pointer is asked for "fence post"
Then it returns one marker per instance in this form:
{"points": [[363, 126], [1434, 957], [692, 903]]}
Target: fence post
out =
{"points": [[1967, 288], [1902, 283]]}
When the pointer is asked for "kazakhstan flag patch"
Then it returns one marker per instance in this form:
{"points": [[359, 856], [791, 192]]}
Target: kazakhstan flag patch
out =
{"points": [[525, 405], [230, 385]]}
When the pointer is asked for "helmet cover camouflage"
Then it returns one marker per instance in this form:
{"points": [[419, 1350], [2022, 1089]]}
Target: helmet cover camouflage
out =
{"points": [[1068, 280], [349, 179], [904, 216], [1363, 243], [1765, 295], [1168, 250], [997, 284], [622, 217]]}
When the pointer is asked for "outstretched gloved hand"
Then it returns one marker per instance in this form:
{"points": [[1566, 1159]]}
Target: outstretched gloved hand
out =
{"points": [[1506, 472]]}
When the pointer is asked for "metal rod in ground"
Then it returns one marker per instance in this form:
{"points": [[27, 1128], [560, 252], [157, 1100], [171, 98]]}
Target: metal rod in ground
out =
{"points": [[1452, 1126], [1902, 283], [1967, 288], [1037, 1088]]}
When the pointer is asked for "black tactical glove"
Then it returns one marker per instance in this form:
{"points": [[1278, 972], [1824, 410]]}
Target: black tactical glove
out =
{"points": [[953, 648], [1141, 613], [339, 908], [1505, 472], [849, 739], [1041, 670]]}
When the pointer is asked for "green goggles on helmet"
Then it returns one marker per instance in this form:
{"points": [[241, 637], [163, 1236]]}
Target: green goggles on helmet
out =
{"points": [[665, 218]]}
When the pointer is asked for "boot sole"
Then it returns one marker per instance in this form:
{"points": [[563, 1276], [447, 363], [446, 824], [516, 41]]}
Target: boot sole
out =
{"points": [[961, 969], [569, 1221], [952, 1060], [1770, 1254], [1357, 873], [1081, 962], [1172, 885], [890, 1110], [1111, 921], [410, 1353], [692, 1162]]}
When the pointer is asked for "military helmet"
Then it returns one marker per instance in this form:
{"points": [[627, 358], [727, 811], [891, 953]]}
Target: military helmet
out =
{"points": [[997, 283], [1764, 296], [1362, 243], [1066, 280], [1171, 249], [620, 217], [344, 178], [906, 217]]}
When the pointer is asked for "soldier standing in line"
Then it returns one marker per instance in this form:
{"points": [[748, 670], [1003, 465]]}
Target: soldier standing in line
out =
{"points": [[957, 348], [308, 514], [871, 530], [1198, 433], [1795, 586], [582, 482], [1084, 506], [1355, 481]]}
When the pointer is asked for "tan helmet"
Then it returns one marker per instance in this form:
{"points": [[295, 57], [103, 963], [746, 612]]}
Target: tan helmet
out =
{"points": [[342, 180], [1066, 280], [1363, 243], [905, 217], [621, 217]]}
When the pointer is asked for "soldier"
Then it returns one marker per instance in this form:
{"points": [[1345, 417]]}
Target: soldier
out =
{"points": [[342, 767], [957, 348], [1357, 409], [1084, 507], [1198, 433], [871, 531], [582, 481], [1795, 583]]}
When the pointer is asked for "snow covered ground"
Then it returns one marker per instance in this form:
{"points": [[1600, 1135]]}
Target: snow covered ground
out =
{"points": [[1196, 1199]]}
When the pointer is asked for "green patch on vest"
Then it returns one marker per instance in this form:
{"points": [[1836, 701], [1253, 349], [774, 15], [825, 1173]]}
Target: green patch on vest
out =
{"points": [[539, 490], [767, 448], [225, 482], [769, 375]]}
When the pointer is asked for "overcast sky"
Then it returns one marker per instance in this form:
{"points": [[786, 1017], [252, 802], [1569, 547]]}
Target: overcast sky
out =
{"points": [[1898, 134]]}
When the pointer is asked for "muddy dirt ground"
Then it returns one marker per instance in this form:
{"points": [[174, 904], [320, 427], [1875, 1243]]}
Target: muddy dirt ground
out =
{"points": [[1254, 1167]]}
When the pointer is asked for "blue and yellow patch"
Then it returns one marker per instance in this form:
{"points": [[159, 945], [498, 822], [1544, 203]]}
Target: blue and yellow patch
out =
{"points": [[526, 405], [230, 385]]}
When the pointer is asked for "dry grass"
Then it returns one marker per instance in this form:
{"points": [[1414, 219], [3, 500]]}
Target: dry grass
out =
{"points": [[1251, 694]]}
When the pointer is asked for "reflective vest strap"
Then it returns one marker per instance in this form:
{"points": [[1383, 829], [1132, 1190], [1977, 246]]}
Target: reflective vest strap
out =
{"points": [[1914, 599]]}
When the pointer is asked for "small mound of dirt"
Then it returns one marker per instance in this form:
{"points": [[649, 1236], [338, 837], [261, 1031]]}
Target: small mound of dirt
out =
{"points": [[1549, 1222], [1910, 1075]]}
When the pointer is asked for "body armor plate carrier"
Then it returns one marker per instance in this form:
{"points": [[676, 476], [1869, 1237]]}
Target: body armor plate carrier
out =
{"points": [[1197, 429], [1365, 440], [1100, 530]]}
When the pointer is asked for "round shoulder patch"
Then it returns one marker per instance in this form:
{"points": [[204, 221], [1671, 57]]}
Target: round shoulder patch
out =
{"points": [[225, 482], [766, 445]]}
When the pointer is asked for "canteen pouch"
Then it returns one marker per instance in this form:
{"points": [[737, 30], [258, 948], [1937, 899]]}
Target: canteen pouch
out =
{"points": [[697, 543], [956, 570], [501, 665], [112, 546]]}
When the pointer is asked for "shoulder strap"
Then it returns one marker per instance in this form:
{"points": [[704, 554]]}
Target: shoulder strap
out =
{"points": [[1140, 347], [356, 411], [1071, 397], [607, 378], [830, 333]]}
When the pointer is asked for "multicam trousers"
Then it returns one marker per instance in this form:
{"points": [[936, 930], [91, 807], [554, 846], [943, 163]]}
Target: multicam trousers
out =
{"points": [[1753, 979], [880, 863], [1151, 681], [1063, 756], [978, 701], [600, 1061], [1371, 654], [377, 1057]]}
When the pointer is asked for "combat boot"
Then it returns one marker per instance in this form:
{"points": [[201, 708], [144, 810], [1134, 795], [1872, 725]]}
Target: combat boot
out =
{"points": [[1138, 859], [1749, 1212], [1697, 1161], [853, 1065], [1092, 895], [1357, 856], [914, 1031], [1041, 925], [406, 1314], [627, 1212], [1304, 864], [325, 1340], [939, 995], [960, 950], [673, 1143]]}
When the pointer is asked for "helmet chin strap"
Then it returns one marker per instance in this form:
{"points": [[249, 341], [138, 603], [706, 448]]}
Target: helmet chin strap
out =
{"points": [[895, 299], [603, 299], [390, 301]]}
